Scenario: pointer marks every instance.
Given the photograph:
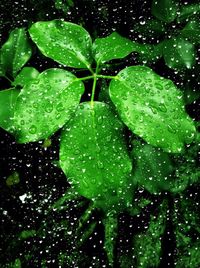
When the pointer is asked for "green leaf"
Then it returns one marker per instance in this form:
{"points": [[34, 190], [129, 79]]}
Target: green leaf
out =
{"points": [[152, 168], [112, 47], [64, 42], [164, 10], [186, 229], [150, 28], [93, 154], [152, 107], [7, 102], [46, 104], [13, 179], [191, 94], [15, 52], [147, 246], [110, 230], [179, 54], [188, 11], [26, 75], [192, 31]]}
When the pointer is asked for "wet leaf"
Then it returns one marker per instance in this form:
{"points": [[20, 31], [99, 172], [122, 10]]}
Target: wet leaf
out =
{"points": [[93, 154], [192, 31], [15, 52], [45, 104], [152, 168], [13, 179], [188, 11], [111, 229], [149, 28], [26, 75], [64, 42], [186, 228], [7, 103], [164, 10], [179, 54], [112, 47], [147, 246], [152, 107]]}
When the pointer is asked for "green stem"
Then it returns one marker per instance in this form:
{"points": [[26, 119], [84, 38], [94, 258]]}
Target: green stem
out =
{"points": [[97, 76], [86, 78], [107, 76], [8, 79], [93, 90]]}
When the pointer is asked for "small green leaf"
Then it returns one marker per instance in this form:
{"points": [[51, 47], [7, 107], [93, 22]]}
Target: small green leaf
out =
{"points": [[15, 52], [164, 10], [152, 168], [192, 31], [7, 102], [64, 42], [152, 107], [45, 104], [26, 75], [111, 229], [93, 154], [13, 179], [179, 54], [112, 47]]}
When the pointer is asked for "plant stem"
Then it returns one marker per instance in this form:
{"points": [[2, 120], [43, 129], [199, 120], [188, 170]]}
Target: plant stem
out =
{"points": [[107, 76], [8, 78], [97, 76], [93, 90], [86, 77]]}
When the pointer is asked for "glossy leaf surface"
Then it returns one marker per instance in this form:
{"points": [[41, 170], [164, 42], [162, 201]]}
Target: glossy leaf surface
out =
{"points": [[179, 54], [152, 168], [111, 47], [64, 42], [7, 102], [152, 107], [46, 104], [164, 10], [26, 75], [15, 52], [93, 154]]}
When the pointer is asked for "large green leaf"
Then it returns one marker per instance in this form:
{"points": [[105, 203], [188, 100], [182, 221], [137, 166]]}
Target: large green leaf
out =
{"points": [[64, 42], [179, 53], [15, 52], [152, 107], [93, 154], [7, 102], [112, 47], [26, 75], [152, 168], [46, 104], [164, 10]]}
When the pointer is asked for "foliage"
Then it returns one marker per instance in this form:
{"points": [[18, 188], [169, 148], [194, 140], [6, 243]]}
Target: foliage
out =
{"points": [[136, 136]]}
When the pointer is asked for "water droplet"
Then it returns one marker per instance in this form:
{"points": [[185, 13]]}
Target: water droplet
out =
{"points": [[49, 108], [32, 129], [171, 129], [162, 108], [100, 164]]}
